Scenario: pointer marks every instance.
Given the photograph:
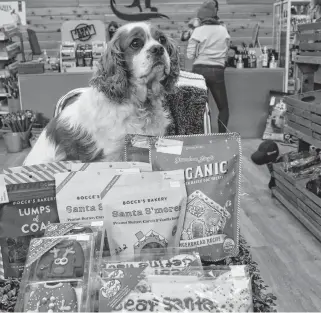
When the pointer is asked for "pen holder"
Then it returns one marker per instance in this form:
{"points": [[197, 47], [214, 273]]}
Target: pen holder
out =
{"points": [[13, 142], [25, 136]]}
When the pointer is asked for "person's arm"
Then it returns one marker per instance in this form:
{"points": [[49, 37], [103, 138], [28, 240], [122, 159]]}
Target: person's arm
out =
{"points": [[228, 44], [192, 49], [228, 37]]}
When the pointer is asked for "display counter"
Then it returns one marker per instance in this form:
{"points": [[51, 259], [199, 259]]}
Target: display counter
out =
{"points": [[247, 89]]}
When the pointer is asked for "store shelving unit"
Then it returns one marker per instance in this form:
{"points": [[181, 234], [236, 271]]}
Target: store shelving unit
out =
{"points": [[287, 15], [303, 121], [8, 53]]}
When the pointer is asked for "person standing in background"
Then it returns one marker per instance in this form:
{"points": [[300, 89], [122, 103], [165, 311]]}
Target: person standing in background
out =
{"points": [[208, 47], [112, 28]]}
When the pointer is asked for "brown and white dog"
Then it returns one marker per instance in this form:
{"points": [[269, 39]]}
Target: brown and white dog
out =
{"points": [[140, 65]]}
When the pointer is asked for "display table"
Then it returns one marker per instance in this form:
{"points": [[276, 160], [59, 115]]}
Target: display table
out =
{"points": [[247, 89]]}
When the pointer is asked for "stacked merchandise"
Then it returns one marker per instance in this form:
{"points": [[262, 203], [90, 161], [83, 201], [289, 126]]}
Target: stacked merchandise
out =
{"points": [[301, 165], [80, 57], [8, 49], [249, 57], [128, 236], [295, 173], [8, 63]]}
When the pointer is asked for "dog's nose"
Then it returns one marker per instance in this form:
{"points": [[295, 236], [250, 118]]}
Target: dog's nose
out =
{"points": [[157, 50]]}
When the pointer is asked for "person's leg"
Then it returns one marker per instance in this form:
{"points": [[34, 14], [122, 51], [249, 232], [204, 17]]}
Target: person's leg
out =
{"points": [[215, 81], [218, 90]]}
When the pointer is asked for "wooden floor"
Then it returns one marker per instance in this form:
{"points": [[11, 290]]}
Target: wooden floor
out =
{"points": [[289, 257]]}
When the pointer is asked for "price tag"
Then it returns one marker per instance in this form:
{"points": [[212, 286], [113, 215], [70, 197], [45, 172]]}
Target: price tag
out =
{"points": [[174, 184], [169, 146], [82, 237]]}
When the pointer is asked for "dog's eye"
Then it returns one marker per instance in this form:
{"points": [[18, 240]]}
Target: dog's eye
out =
{"points": [[136, 43], [162, 40]]}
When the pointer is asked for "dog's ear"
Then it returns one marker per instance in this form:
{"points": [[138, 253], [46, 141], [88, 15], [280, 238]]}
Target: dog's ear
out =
{"points": [[111, 74], [171, 79]]}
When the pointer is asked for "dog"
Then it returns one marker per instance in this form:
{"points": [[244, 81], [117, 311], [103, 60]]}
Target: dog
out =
{"points": [[126, 93]]}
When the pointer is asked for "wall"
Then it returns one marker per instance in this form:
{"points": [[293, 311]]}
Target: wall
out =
{"points": [[46, 17]]}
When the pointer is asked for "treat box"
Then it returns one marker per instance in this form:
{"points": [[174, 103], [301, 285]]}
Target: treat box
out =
{"points": [[13, 67], [68, 51], [68, 64], [61, 258], [172, 261], [58, 275], [10, 51], [130, 289], [7, 31], [50, 168], [145, 167]]}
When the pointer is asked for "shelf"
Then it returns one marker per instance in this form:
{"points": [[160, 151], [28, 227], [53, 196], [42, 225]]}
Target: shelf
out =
{"points": [[298, 213], [312, 141], [78, 69], [8, 57], [4, 37], [307, 59], [302, 203]]}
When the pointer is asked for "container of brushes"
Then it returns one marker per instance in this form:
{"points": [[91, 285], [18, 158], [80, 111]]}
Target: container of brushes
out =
{"points": [[25, 136], [13, 142]]}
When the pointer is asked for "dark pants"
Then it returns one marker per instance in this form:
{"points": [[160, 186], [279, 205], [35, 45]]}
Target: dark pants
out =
{"points": [[215, 81]]}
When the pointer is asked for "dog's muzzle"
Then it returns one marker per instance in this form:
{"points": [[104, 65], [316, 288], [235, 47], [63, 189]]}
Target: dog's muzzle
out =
{"points": [[157, 50]]}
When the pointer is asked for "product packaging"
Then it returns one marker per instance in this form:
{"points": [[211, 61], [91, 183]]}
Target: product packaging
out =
{"points": [[137, 148], [30, 208], [96, 166], [173, 260], [274, 129], [96, 228], [57, 275], [79, 193], [302, 164], [144, 289], [212, 166], [49, 168], [145, 214], [142, 179]]}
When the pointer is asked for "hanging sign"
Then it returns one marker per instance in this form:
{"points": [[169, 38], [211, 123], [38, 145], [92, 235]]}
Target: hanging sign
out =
{"points": [[134, 16], [13, 12], [83, 32]]}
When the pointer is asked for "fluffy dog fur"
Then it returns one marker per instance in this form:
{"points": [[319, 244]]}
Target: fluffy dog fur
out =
{"points": [[125, 96]]}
